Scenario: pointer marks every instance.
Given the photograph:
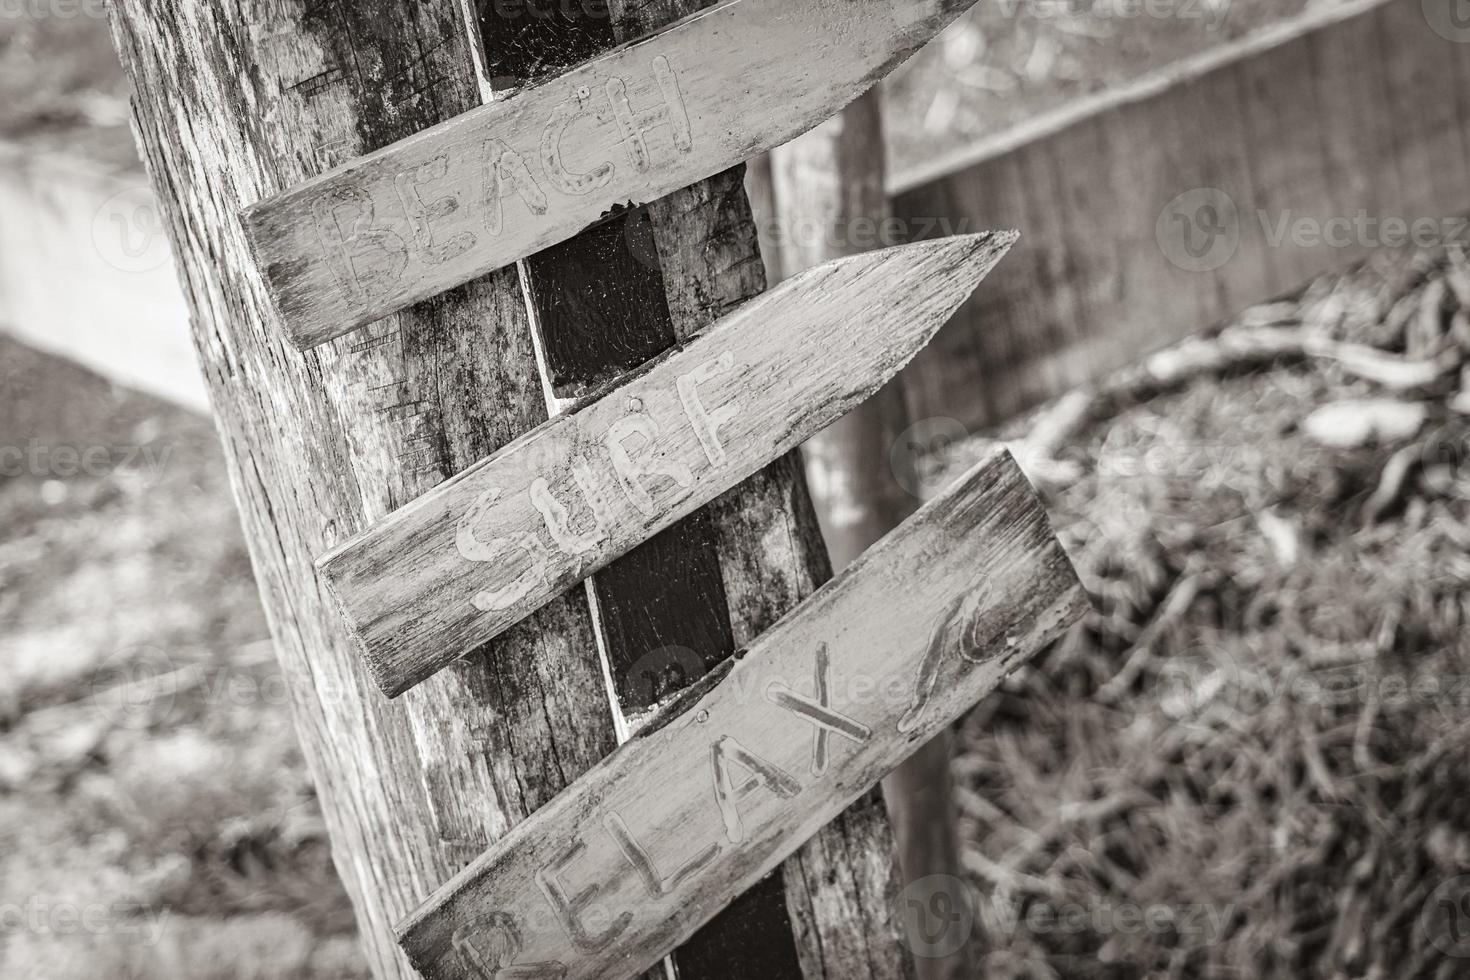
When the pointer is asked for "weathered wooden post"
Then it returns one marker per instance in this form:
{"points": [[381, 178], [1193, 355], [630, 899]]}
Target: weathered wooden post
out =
{"points": [[830, 200], [239, 100]]}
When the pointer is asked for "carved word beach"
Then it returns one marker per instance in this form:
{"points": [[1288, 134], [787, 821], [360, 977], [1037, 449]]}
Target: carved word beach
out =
{"points": [[509, 179], [731, 779]]}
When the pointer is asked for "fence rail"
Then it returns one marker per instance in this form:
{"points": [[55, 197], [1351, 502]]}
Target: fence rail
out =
{"points": [[1328, 122], [1156, 210]]}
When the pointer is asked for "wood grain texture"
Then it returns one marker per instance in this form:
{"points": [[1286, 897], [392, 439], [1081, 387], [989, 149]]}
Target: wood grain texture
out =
{"points": [[235, 101], [735, 775], [477, 554], [832, 180], [672, 609], [514, 177], [1354, 109]]}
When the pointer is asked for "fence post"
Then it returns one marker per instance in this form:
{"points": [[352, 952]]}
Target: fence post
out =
{"points": [[240, 99], [830, 202]]}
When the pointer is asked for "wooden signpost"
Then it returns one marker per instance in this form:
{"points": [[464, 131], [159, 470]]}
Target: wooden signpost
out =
{"points": [[651, 843], [690, 818], [513, 177], [482, 551]]}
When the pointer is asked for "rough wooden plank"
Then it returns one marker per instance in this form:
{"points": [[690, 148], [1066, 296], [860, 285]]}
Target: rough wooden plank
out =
{"points": [[1320, 126], [1424, 97], [234, 102], [1226, 164], [672, 609], [476, 555], [322, 446], [831, 181], [734, 776], [600, 305], [1286, 169], [514, 177], [1357, 127]]}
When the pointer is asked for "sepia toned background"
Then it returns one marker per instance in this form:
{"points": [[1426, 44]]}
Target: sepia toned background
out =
{"points": [[1250, 761]]}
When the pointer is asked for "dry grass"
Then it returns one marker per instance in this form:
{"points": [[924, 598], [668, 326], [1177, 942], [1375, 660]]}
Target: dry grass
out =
{"points": [[1259, 738], [1249, 763]]}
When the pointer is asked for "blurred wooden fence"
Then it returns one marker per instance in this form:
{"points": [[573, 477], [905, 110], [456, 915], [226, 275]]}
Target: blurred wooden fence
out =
{"points": [[1153, 211], [1353, 113]]}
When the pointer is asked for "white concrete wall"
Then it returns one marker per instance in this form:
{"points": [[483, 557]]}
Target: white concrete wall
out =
{"points": [[86, 272]]}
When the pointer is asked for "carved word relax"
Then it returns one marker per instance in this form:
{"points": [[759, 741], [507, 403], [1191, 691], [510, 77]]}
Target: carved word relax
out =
{"points": [[492, 944], [347, 224]]}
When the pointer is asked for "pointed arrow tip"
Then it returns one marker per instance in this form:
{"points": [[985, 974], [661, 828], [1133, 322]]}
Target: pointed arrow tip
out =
{"points": [[981, 253], [952, 268], [917, 287]]}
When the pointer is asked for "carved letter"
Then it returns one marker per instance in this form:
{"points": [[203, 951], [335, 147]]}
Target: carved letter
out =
{"points": [[561, 178], [636, 123], [558, 520], [500, 932], [498, 550], [421, 214], [506, 173], [342, 250], [824, 719], [642, 862], [630, 473], [775, 780], [706, 425], [569, 908], [958, 632]]}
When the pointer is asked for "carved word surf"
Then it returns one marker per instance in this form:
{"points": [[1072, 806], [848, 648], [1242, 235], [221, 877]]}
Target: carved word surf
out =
{"points": [[635, 456]]}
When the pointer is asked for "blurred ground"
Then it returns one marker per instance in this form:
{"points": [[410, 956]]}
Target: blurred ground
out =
{"points": [[1251, 762], [1248, 764], [156, 820]]}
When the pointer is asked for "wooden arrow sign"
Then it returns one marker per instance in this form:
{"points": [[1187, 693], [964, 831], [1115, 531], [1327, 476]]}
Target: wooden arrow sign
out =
{"points": [[729, 781], [511, 178], [478, 553]]}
